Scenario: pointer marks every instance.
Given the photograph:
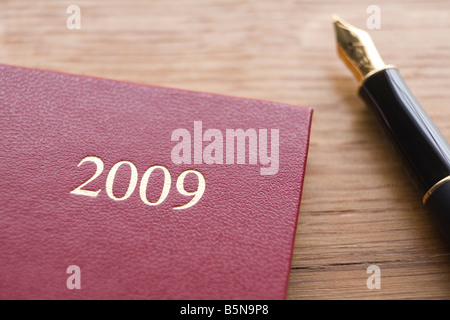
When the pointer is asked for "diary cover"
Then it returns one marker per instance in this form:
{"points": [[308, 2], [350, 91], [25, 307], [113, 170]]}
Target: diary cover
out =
{"points": [[114, 190]]}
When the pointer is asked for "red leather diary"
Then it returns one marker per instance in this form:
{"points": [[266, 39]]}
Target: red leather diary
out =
{"points": [[114, 190]]}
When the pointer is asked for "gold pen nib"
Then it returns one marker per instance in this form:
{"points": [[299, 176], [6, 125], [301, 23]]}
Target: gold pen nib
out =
{"points": [[356, 49]]}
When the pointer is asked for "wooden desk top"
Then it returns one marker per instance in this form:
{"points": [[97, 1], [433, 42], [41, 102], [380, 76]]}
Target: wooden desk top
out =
{"points": [[359, 207]]}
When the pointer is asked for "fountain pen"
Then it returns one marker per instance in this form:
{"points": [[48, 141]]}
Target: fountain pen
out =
{"points": [[424, 150]]}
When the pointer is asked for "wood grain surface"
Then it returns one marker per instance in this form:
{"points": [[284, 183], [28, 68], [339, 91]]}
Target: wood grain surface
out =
{"points": [[359, 207]]}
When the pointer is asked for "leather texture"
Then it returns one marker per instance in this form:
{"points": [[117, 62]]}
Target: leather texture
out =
{"points": [[235, 243]]}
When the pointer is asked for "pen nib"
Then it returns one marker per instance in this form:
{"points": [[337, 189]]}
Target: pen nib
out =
{"points": [[356, 49]]}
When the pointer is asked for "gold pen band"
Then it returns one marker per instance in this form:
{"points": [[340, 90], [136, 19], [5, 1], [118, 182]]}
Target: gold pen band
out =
{"points": [[434, 188], [371, 73]]}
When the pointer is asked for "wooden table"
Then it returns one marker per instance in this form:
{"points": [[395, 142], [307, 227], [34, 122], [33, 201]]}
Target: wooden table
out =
{"points": [[359, 207]]}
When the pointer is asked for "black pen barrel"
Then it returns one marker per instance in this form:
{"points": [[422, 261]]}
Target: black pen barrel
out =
{"points": [[424, 149]]}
